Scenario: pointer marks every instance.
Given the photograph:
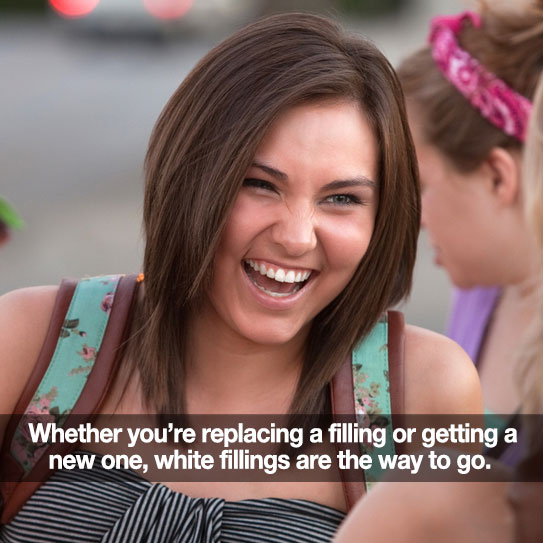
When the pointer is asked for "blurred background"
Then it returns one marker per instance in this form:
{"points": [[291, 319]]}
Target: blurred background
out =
{"points": [[82, 83]]}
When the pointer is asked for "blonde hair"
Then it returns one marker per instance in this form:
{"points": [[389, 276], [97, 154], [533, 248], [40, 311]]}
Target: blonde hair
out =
{"points": [[531, 355], [533, 167]]}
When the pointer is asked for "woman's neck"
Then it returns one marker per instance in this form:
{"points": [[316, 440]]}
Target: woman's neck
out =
{"points": [[524, 291], [228, 373]]}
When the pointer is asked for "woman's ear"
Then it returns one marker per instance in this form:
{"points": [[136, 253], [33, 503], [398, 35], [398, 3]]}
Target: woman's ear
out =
{"points": [[505, 175]]}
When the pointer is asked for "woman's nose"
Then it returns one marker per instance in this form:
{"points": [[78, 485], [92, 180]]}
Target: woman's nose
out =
{"points": [[295, 230]]}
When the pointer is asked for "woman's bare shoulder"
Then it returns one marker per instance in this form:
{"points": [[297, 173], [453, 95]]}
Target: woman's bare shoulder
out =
{"points": [[24, 319], [439, 376]]}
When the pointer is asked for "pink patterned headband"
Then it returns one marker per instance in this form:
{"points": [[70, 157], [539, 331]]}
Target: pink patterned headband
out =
{"points": [[496, 101]]}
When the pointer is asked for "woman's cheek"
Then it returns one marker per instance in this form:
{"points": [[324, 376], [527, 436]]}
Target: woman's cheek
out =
{"points": [[344, 246]]}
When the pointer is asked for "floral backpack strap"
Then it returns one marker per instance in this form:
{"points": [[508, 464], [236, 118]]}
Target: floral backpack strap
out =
{"points": [[368, 386], [70, 379]]}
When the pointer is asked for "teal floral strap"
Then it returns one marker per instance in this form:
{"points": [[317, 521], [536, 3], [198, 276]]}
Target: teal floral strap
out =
{"points": [[74, 357], [372, 392]]}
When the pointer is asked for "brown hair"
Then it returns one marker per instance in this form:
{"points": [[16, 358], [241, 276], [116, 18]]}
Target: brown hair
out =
{"points": [[508, 43], [199, 153]]}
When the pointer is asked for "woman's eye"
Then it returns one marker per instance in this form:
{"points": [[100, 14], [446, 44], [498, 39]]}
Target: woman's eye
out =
{"points": [[343, 199], [259, 184]]}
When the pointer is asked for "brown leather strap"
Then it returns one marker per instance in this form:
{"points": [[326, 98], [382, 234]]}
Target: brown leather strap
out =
{"points": [[342, 396], [92, 395], [11, 470], [396, 342]]}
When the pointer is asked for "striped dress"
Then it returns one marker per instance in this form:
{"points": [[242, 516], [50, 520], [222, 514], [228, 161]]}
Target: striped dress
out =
{"points": [[114, 506]]}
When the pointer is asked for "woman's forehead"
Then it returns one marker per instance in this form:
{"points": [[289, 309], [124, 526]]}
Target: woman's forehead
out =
{"points": [[322, 133]]}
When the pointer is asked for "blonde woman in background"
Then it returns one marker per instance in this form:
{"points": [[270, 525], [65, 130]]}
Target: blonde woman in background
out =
{"points": [[526, 496]]}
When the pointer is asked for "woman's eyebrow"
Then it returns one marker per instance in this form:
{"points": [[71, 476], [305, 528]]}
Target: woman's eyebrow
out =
{"points": [[270, 171], [359, 181]]}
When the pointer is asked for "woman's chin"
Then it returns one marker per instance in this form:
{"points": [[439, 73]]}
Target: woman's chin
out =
{"points": [[271, 331], [461, 281], [270, 336]]}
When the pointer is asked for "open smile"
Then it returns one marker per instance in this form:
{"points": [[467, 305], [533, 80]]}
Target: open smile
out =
{"points": [[276, 281]]}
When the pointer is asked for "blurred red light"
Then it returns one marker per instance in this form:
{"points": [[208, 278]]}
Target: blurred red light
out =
{"points": [[167, 9], [73, 8]]}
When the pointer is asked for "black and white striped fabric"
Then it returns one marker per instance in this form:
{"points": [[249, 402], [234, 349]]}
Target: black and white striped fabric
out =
{"points": [[114, 506]]}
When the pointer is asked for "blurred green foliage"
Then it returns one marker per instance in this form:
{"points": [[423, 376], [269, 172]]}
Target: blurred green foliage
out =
{"points": [[25, 6], [354, 8], [370, 7], [9, 216]]}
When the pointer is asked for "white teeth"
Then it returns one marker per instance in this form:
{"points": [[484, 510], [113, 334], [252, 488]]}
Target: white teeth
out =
{"points": [[280, 275], [279, 294]]}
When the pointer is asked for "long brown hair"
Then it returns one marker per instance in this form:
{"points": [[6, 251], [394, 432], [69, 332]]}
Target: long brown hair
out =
{"points": [[199, 152], [508, 43]]}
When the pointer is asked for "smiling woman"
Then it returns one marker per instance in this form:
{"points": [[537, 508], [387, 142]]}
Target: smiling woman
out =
{"points": [[312, 107], [281, 217]]}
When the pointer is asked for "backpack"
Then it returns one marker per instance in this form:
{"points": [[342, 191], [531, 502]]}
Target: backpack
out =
{"points": [[80, 355]]}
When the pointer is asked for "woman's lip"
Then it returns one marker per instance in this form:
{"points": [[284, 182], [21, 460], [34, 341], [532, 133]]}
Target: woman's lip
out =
{"points": [[271, 302]]}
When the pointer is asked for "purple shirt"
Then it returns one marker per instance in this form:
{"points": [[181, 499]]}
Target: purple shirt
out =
{"points": [[470, 316], [472, 311]]}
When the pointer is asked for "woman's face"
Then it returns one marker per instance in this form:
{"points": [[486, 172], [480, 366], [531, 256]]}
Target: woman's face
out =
{"points": [[300, 225], [458, 214]]}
